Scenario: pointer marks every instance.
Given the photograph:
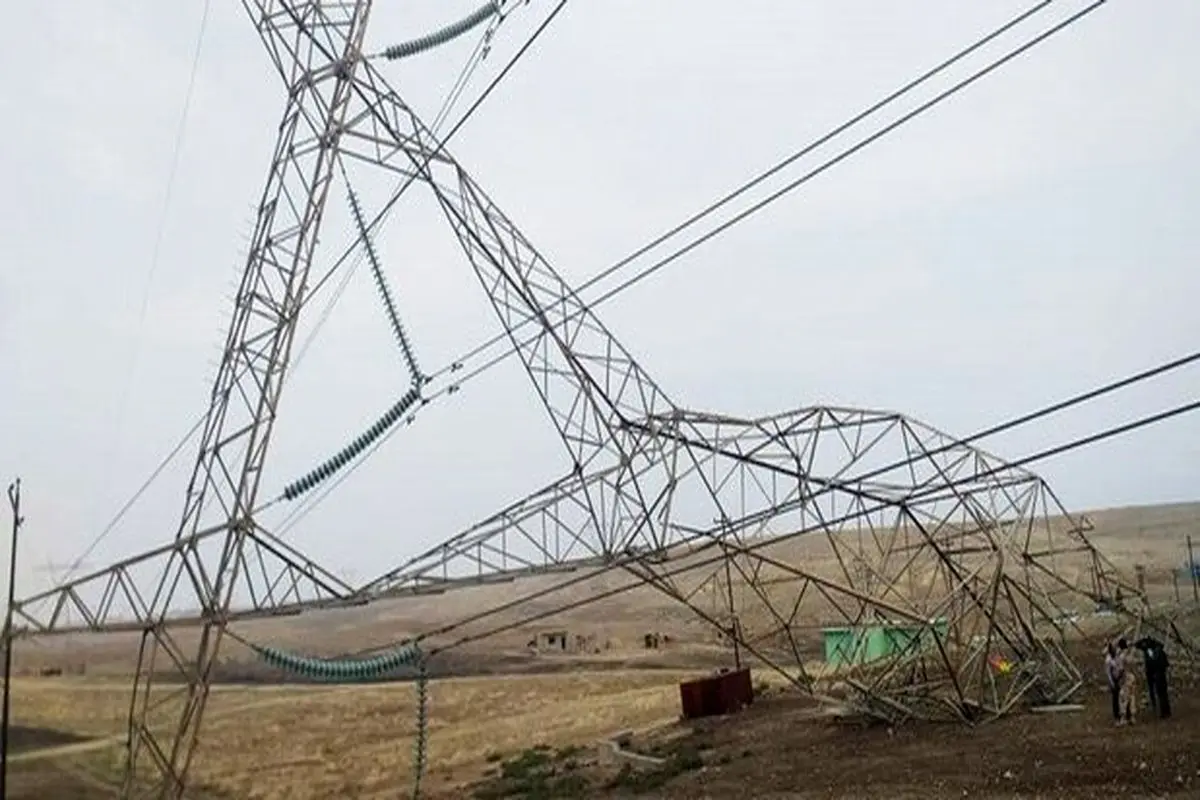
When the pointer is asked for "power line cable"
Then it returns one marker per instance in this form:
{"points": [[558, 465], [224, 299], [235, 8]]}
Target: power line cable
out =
{"points": [[1137, 377], [787, 189], [162, 465], [155, 255], [860, 145], [482, 47], [773, 170], [741, 216], [1075, 444]]}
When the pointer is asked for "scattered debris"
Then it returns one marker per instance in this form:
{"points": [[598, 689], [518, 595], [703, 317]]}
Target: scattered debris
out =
{"points": [[1055, 709], [619, 747]]}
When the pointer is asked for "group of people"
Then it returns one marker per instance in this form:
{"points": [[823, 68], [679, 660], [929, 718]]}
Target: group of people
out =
{"points": [[1119, 667]]}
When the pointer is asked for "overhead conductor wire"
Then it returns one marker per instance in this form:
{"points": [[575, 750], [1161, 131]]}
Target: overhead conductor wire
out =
{"points": [[773, 170], [646, 272], [176, 152]]}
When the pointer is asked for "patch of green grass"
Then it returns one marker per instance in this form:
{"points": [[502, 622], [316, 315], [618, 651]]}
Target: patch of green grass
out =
{"points": [[567, 753], [538, 773]]}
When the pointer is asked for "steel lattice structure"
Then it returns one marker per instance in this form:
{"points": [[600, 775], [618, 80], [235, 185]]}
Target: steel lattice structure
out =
{"points": [[807, 518]]}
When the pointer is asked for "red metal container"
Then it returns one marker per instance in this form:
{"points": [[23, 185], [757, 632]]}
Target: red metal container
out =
{"points": [[723, 693]]}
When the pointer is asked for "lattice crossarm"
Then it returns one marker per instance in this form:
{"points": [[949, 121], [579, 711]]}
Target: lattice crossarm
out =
{"points": [[552, 530], [544, 511], [110, 600]]}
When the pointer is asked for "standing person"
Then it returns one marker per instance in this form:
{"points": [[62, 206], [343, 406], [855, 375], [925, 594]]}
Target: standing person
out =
{"points": [[1126, 700], [1154, 654], [1112, 670]]}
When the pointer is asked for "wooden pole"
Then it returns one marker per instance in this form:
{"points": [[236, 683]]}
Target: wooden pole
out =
{"points": [[14, 500]]}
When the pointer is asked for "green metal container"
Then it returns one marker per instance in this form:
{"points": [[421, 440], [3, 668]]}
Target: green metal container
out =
{"points": [[862, 644]]}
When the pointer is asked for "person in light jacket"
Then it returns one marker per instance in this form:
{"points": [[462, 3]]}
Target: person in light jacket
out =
{"points": [[1112, 670], [1126, 699]]}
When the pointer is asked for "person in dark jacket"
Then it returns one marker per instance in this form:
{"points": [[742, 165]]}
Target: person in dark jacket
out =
{"points": [[1154, 656]]}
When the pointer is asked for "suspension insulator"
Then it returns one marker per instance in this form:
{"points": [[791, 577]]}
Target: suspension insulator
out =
{"points": [[381, 285], [421, 740], [443, 35], [347, 669], [328, 469]]}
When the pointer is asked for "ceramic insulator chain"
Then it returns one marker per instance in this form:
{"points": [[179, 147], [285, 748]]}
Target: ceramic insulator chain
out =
{"points": [[355, 448], [443, 35], [350, 669], [421, 740], [365, 669], [389, 305]]}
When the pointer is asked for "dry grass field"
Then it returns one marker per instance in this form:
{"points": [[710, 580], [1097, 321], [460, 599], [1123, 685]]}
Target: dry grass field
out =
{"points": [[305, 741]]}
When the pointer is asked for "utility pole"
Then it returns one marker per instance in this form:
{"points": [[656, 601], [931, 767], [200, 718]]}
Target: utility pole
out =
{"points": [[14, 500]]}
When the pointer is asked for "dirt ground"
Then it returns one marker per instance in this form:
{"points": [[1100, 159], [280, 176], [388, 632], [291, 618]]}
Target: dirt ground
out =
{"points": [[780, 748], [774, 752]]}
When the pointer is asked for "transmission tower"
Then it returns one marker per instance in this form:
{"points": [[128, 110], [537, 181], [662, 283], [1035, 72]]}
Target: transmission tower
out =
{"points": [[655, 491]]}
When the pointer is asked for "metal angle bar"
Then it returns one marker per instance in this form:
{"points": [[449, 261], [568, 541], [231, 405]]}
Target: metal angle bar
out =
{"points": [[722, 450]]}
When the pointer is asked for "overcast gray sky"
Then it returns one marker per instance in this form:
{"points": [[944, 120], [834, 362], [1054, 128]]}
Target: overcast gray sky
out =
{"points": [[1031, 238]]}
